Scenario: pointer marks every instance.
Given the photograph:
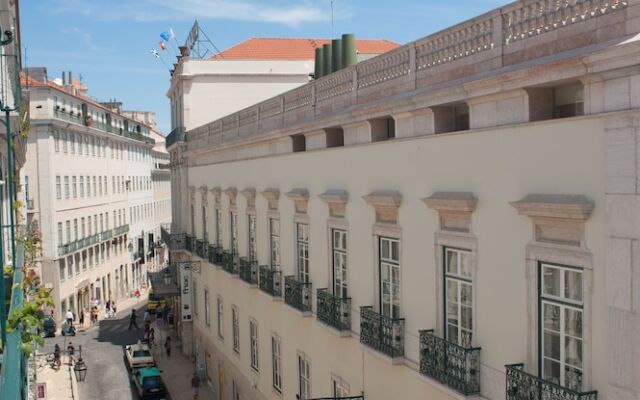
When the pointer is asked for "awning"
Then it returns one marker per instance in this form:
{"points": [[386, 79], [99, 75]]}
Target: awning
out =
{"points": [[160, 288]]}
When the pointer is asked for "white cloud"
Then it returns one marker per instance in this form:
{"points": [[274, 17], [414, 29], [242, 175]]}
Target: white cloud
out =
{"points": [[84, 36], [290, 12]]}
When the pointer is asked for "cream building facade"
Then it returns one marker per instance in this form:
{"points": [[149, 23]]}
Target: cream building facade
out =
{"points": [[90, 194], [454, 218]]}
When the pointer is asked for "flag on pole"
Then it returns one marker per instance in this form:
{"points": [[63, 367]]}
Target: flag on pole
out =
{"points": [[165, 36], [163, 45], [155, 53]]}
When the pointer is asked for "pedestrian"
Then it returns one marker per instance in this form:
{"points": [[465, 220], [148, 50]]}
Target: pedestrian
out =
{"points": [[94, 314], [113, 307], [152, 337], [147, 316], [69, 317], [132, 319], [71, 351], [167, 346], [195, 385], [108, 308], [56, 357], [81, 320]]}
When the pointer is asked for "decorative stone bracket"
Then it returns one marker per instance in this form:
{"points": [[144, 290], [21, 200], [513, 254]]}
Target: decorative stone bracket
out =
{"points": [[272, 196], [454, 209], [203, 192], [300, 199], [386, 204], [557, 218], [250, 195], [232, 193], [217, 193], [192, 194], [337, 201]]}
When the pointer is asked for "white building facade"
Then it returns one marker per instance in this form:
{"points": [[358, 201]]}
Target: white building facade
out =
{"points": [[90, 195], [454, 218]]}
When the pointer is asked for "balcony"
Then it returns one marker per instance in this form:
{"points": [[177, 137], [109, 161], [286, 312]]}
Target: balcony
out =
{"points": [[177, 241], [201, 248], [121, 229], [190, 243], [249, 271], [88, 241], [77, 118], [452, 365], [214, 254], [381, 333], [524, 386], [176, 135], [230, 262], [333, 310], [270, 281], [106, 235], [297, 294]]}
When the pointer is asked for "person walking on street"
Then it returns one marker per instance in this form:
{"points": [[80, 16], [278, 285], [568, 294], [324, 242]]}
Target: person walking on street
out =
{"points": [[132, 319], [57, 363], [195, 385], [147, 317], [152, 337], [81, 320], [69, 317], [94, 314], [71, 350], [167, 346], [113, 307]]}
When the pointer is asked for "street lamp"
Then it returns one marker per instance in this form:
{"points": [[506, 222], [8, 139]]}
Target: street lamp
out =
{"points": [[80, 369]]}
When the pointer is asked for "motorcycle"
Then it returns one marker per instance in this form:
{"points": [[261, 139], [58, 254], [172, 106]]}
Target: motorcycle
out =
{"points": [[67, 329]]}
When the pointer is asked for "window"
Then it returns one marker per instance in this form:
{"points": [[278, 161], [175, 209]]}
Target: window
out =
{"points": [[339, 387], [220, 318], [58, 188], [74, 187], [64, 142], [561, 332], [61, 269], [304, 377], [82, 227], [339, 251], [82, 186], [235, 323], [253, 335], [95, 192], [276, 363], [100, 185], [60, 238], [68, 230], [218, 227], [75, 229], [302, 237], [88, 186], [382, 129], [233, 221], [205, 235], [72, 143], [458, 297], [389, 264], [56, 141], [253, 245], [106, 186], [207, 316], [274, 242], [66, 187], [193, 220]]}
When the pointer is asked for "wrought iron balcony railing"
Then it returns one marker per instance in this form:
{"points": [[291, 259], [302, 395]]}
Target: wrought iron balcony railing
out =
{"points": [[270, 281], [80, 244], [214, 254], [121, 229], [297, 294], [177, 241], [201, 247], [524, 386], [230, 262], [381, 333], [248, 271], [190, 243], [333, 310], [453, 365]]}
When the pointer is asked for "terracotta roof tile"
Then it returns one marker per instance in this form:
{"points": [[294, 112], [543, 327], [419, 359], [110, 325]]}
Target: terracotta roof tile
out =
{"points": [[293, 49]]}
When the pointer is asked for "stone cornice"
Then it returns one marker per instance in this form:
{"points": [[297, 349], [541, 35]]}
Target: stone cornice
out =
{"points": [[231, 192], [383, 198], [563, 206], [451, 201], [334, 196], [250, 195], [203, 189], [272, 195], [300, 199]]}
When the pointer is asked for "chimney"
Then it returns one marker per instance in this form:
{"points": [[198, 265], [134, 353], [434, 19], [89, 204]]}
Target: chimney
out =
{"points": [[64, 78], [70, 79]]}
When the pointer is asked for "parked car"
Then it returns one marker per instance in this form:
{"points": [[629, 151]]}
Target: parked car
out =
{"points": [[48, 327], [138, 356], [149, 385]]}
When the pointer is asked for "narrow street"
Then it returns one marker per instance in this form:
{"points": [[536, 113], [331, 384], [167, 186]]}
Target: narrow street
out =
{"points": [[107, 377]]}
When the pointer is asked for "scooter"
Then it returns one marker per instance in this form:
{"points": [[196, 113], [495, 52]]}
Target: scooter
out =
{"points": [[67, 329]]}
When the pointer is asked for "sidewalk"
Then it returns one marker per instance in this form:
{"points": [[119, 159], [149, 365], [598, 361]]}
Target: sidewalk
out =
{"points": [[61, 384], [177, 370]]}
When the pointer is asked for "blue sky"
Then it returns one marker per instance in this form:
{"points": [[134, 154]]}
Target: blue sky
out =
{"points": [[108, 41]]}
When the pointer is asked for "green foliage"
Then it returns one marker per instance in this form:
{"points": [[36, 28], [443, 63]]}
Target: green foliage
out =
{"points": [[28, 320], [24, 121], [8, 271]]}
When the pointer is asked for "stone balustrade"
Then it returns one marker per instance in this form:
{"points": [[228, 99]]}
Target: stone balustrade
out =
{"points": [[518, 32]]}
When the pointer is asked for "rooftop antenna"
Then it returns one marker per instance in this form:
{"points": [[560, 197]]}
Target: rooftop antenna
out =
{"points": [[331, 19]]}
